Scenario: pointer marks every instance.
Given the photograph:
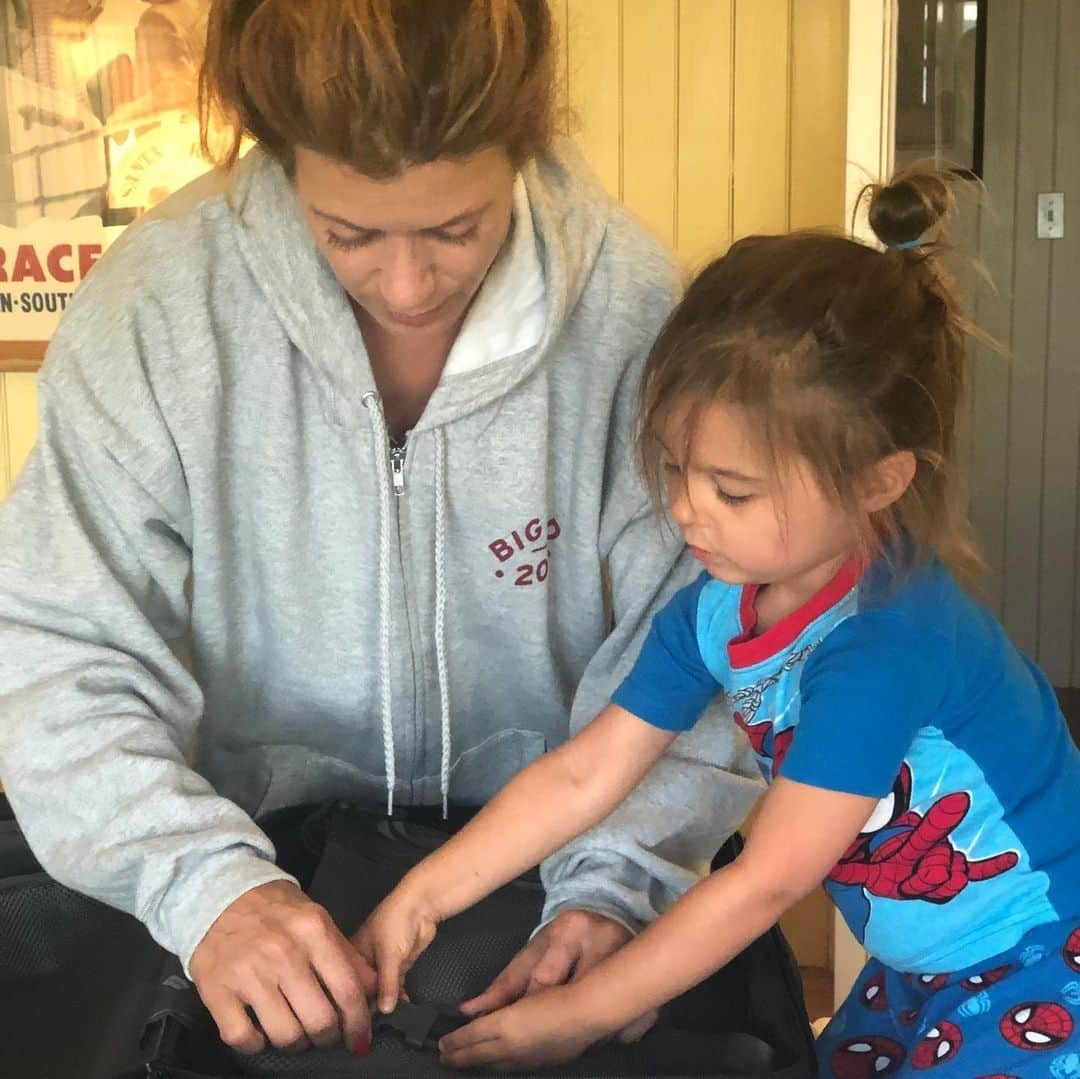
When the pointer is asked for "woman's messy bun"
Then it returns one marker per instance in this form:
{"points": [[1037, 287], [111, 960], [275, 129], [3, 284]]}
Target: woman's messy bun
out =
{"points": [[908, 212]]}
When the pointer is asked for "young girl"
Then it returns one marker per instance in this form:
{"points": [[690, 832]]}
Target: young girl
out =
{"points": [[800, 405]]}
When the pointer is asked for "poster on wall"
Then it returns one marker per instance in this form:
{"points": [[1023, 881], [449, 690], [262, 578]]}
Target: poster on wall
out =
{"points": [[98, 123]]}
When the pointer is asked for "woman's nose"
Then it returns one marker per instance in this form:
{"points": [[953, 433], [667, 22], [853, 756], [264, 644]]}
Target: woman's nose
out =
{"points": [[408, 280]]}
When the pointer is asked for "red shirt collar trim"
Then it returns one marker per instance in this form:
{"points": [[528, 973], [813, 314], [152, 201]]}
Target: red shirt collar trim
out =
{"points": [[746, 650]]}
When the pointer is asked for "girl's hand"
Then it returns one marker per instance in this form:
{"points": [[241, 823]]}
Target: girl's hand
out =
{"points": [[545, 1028], [565, 950], [392, 939]]}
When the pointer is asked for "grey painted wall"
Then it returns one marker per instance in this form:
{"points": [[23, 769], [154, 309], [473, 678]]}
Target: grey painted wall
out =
{"points": [[1025, 408]]}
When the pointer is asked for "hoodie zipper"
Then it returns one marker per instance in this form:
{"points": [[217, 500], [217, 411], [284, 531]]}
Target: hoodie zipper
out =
{"points": [[397, 468], [397, 451]]}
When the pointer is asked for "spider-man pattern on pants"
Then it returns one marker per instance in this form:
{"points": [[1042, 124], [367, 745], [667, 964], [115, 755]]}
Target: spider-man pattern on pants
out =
{"points": [[1017, 1017]]}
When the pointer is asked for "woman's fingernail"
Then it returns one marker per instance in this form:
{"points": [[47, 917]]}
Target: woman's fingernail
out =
{"points": [[362, 1044]]}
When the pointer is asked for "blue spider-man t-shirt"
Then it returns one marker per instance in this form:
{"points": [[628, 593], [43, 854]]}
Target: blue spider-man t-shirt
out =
{"points": [[912, 694]]}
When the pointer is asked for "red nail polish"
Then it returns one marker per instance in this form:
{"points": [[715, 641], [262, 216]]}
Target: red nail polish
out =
{"points": [[362, 1045]]}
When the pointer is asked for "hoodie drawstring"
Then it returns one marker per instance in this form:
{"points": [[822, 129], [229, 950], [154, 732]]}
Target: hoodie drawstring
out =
{"points": [[378, 424], [440, 616]]}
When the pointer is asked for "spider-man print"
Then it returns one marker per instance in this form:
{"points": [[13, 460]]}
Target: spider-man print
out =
{"points": [[941, 1043], [866, 1058], [902, 854], [1071, 951], [1036, 1025], [977, 982], [748, 701], [873, 994], [758, 733]]}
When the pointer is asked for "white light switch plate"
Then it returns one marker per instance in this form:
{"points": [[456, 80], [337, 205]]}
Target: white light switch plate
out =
{"points": [[1051, 220]]}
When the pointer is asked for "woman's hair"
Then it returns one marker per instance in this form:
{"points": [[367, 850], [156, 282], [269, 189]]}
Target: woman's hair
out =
{"points": [[380, 84], [840, 353]]}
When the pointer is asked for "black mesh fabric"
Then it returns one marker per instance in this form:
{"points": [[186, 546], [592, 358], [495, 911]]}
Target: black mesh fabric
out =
{"points": [[43, 924], [665, 1052], [364, 858], [74, 979], [79, 981]]}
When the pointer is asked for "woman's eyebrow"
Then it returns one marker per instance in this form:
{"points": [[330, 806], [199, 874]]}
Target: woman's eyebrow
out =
{"points": [[344, 222]]}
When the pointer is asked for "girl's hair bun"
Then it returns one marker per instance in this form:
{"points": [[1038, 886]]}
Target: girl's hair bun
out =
{"points": [[910, 207]]}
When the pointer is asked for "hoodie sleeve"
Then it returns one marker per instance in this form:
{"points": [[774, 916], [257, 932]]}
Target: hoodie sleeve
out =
{"points": [[97, 714], [662, 839]]}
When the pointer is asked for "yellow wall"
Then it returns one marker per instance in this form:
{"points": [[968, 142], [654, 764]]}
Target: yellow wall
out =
{"points": [[711, 119], [18, 425]]}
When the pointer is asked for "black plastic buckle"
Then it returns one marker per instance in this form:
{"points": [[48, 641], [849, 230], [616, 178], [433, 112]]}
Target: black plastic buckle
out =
{"points": [[420, 1026]]}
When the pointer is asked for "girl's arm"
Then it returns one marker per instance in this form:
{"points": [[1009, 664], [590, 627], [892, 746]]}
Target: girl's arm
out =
{"points": [[557, 797], [798, 838], [800, 835]]}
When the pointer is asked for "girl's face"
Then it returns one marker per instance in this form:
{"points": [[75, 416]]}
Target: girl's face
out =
{"points": [[411, 251], [742, 521]]}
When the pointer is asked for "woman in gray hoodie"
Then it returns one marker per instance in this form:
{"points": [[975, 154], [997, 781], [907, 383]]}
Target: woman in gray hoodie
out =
{"points": [[354, 414]]}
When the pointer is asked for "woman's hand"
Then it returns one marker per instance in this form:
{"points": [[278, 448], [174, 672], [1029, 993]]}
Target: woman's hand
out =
{"points": [[544, 1028], [277, 953], [392, 939]]}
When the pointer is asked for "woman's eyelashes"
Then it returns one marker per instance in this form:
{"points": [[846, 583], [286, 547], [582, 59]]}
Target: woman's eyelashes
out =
{"points": [[365, 239], [350, 243], [459, 238]]}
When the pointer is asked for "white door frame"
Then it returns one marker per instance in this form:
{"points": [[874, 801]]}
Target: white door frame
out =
{"points": [[871, 135]]}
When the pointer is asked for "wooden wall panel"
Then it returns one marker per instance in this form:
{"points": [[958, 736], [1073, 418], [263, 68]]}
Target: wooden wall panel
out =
{"points": [[650, 93], [18, 425], [22, 427], [560, 14], [706, 100], [762, 99], [594, 70], [5, 451], [1026, 407], [1061, 428], [1031, 276], [818, 106]]}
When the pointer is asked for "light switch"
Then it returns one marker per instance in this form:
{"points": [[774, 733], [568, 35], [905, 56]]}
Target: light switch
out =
{"points": [[1051, 222]]}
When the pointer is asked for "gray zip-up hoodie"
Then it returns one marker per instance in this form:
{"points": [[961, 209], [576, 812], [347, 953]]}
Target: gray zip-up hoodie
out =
{"points": [[213, 465]]}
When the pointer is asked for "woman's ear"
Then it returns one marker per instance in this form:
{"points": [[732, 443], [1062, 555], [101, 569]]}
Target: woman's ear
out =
{"points": [[886, 481]]}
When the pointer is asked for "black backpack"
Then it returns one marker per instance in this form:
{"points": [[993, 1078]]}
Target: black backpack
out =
{"points": [[86, 994]]}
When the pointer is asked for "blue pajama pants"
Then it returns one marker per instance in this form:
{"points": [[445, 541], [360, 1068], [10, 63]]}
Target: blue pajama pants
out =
{"points": [[1015, 1015]]}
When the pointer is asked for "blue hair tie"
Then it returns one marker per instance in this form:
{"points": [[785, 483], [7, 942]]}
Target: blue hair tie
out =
{"points": [[907, 245]]}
